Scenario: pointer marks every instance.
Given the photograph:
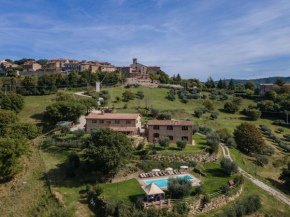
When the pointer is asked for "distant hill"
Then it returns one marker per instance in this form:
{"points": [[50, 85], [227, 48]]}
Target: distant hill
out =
{"points": [[260, 80]]}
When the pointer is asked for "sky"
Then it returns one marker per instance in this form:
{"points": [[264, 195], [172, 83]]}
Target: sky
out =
{"points": [[239, 39]]}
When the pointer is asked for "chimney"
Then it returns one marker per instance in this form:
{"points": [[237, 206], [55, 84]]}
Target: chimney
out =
{"points": [[134, 60], [102, 112]]}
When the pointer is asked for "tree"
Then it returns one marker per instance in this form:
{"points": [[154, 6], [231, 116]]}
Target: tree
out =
{"points": [[232, 85], [249, 138], [213, 140], [42, 61], [154, 112], [285, 175], [7, 117], [209, 105], [63, 111], [220, 84], [253, 114], [225, 86], [13, 102], [21, 130], [249, 92], [90, 104], [238, 100], [108, 150], [271, 95], [10, 152], [140, 94], [250, 85], [164, 142], [181, 143], [214, 115], [280, 82], [178, 77], [179, 187], [127, 96], [228, 166], [210, 83], [231, 107]]}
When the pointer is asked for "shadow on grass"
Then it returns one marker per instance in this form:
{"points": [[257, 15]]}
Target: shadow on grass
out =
{"points": [[38, 116], [217, 172], [282, 187]]}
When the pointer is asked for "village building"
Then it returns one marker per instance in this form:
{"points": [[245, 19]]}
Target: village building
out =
{"points": [[56, 64], [270, 86], [129, 124], [173, 129], [31, 66]]}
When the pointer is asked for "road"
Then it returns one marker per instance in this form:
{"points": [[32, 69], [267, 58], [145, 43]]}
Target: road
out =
{"points": [[257, 182]]}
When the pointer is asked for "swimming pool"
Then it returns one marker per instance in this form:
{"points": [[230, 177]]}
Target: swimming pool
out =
{"points": [[163, 183]]}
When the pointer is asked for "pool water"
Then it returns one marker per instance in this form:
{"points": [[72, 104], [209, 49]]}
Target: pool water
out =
{"points": [[163, 183]]}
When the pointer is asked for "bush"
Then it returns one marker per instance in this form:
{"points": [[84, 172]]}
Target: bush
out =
{"points": [[195, 128], [231, 107], [164, 142], [165, 116], [139, 204], [192, 164], [213, 140], [154, 112], [200, 190], [198, 113], [184, 100], [179, 187], [280, 130], [228, 166], [181, 143], [205, 129], [181, 208], [239, 179], [279, 122], [214, 115], [171, 97], [268, 150], [139, 94], [261, 160], [209, 105], [253, 114], [203, 96], [231, 142], [141, 146], [98, 189]]}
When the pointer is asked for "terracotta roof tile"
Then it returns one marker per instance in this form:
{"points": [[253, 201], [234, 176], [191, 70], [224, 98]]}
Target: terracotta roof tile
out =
{"points": [[170, 122], [113, 116]]}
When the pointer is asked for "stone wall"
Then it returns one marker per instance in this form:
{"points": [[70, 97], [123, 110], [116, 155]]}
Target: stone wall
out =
{"points": [[199, 157]]}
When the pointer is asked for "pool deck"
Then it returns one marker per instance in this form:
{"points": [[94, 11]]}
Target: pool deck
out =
{"points": [[195, 181]]}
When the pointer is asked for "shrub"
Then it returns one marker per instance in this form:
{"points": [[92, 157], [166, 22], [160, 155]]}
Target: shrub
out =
{"points": [[139, 94], [228, 166], [165, 116], [127, 96], [139, 204], [154, 112], [125, 106], [171, 97], [239, 179], [195, 128], [192, 164], [203, 96], [98, 189], [268, 150], [253, 114], [231, 142], [205, 129], [78, 133], [181, 208], [224, 133], [184, 100], [200, 190], [280, 130], [213, 140], [279, 122], [141, 146], [231, 107], [261, 160], [181, 143], [198, 113], [287, 137], [179, 187], [214, 115], [164, 142]]}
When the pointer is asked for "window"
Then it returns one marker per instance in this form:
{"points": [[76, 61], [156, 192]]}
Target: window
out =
{"points": [[101, 121], [128, 122], [185, 138], [117, 121], [94, 121], [170, 137], [156, 135], [169, 127], [184, 128], [156, 127]]}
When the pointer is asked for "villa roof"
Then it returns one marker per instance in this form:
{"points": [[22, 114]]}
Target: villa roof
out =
{"points": [[113, 116], [123, 129], [170, 122], [152, 189]]}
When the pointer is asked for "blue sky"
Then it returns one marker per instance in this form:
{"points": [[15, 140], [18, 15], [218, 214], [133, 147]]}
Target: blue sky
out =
{"points": [[196, 38]]}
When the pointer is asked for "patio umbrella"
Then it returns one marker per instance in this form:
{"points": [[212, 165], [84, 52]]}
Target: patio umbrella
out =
{"points": [[156, 170], [168, 169], [183, 167]]}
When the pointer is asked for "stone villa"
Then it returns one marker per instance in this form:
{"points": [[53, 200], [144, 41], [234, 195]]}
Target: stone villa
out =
{"points": [[270, 86], [130, 124], [173, 129]]}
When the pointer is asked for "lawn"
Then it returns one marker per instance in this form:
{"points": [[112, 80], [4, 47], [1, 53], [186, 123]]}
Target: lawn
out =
{"points": [[126, 191], [200, 144], [34, 106], [215, 177]]}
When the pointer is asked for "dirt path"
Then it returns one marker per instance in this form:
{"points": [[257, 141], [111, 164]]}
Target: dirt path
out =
{"points": [[257, 182]]}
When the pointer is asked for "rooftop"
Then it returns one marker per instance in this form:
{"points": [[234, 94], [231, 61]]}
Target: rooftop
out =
{"points": [[170, 122], [113, 116]]}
